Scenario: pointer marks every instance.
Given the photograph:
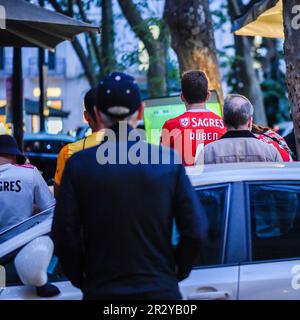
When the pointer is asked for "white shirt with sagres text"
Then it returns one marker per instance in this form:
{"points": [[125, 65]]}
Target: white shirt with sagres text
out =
{"points": [[21, 187]]}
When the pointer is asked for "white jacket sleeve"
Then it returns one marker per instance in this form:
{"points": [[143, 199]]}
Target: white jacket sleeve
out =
{"points": [[43, 197]]}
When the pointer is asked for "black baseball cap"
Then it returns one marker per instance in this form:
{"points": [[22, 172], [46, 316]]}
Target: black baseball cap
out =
{"points": [[9, 146], [118, 95]]}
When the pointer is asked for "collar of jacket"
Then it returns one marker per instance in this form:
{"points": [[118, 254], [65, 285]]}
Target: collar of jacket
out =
{"points": [[238, 134]]}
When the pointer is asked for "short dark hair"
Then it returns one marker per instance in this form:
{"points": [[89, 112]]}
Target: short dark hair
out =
{"points": [[90, 100], [237, 111], [194, 86]]}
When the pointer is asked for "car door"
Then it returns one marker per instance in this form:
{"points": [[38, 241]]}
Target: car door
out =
{"points": [[11, 242], [273, 267], [211, 278]]}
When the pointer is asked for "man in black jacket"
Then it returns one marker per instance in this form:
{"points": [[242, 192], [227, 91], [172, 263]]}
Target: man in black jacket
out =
{"points": [[114, 218], [291, 142]]}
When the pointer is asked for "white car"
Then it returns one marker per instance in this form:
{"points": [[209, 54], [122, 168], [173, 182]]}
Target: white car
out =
{"points": [[252, 250], [16, 240]]}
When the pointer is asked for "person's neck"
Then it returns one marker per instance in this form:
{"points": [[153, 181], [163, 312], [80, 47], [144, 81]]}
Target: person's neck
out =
{"points": [[123, 124], [196, 106], [238, 129], [97, 129]]}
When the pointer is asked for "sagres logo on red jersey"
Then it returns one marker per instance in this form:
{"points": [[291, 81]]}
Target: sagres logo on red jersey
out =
{"points": [[185, 122]]}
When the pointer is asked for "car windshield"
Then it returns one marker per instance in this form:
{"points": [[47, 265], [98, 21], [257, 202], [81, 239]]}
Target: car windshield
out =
{"points": [[26, 225]]}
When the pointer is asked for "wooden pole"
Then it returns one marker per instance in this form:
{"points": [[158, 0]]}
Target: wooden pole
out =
{"points": [[17, 98], [42, 100]]}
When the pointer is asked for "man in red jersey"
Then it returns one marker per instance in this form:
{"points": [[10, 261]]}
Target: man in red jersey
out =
{"points": [[198, 126]]}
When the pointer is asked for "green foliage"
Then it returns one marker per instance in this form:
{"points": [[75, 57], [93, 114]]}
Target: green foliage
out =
{"points": [[128, 60], [272, 79], [229, 62], [220, 17], [276, 101], [273, 85], [273, 88]]}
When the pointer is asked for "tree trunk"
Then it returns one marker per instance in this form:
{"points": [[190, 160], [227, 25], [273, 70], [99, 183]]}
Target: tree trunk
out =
{"points": [[270, 62], [245, 71], [156, 74], [292, 56], [191, 28], [17, 98], [157, 49], [96, 48], [85, 62], [251, 87], [108, 38]]}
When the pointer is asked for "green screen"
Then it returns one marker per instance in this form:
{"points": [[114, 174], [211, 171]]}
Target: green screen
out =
{"points": [[158, 111], [155, 118]]}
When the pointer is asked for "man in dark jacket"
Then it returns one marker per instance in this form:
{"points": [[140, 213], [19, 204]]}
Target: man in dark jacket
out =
{"points": [[114, 221], [291, 142]]}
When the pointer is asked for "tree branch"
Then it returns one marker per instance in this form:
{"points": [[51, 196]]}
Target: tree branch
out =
{"points": [[57, 7], [85, 62], [95, 45], [138, 25], [70, 8], [108, 37]]}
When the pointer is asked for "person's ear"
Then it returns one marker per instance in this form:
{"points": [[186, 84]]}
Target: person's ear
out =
{"points": [[90, 120], [86, 116], [250, 123], [141, 111], [208, 96], [98, 119], [182, 98]]}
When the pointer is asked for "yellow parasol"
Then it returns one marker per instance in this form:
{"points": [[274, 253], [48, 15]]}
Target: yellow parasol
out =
{"points": [[264, 19]]}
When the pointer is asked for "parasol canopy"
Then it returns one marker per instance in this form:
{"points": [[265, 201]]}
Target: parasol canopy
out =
{"points": [[27, 24], [265, 19]]}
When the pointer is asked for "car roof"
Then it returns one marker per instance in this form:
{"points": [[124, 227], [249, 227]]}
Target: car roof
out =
{"points": [[252, 171], [48, 136]]}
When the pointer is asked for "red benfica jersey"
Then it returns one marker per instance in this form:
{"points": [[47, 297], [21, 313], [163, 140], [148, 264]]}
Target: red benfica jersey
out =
{"points": [[192, 129], [278, 142]]}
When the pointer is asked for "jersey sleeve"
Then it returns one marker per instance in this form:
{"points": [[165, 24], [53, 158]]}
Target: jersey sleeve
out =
{"points": [[61, 163], [43, 197]]}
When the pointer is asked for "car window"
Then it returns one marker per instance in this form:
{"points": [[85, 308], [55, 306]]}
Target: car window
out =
{"points": [[25, 225], [214, 202], [11, 275], [44, 146], [275, 221]]}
